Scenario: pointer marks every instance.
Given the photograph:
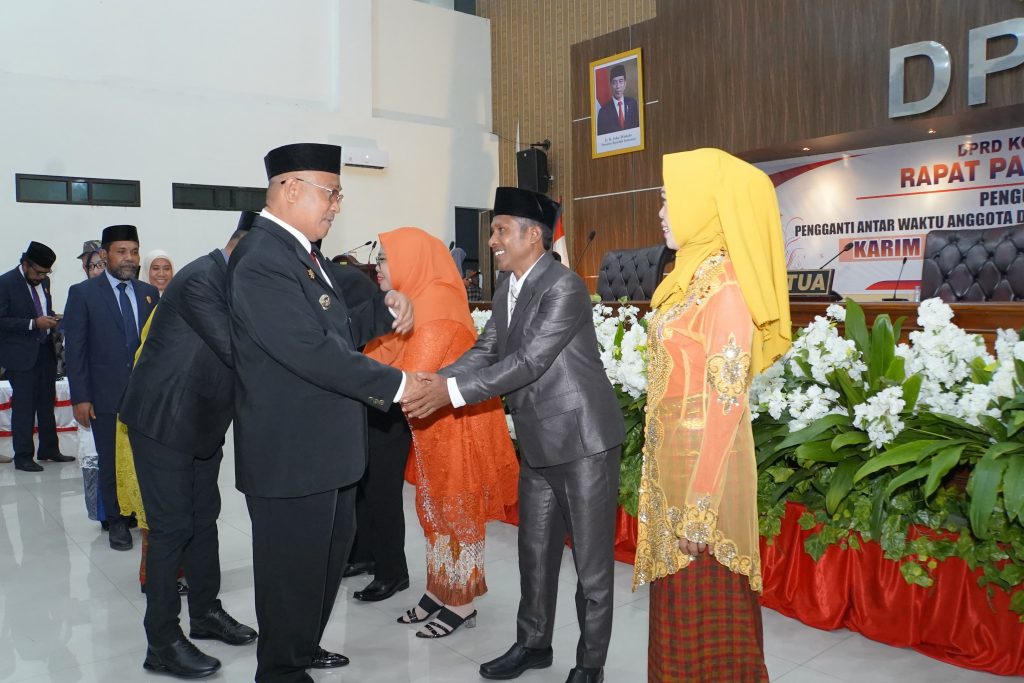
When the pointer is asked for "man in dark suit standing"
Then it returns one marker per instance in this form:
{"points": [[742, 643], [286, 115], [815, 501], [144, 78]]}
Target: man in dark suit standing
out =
{"points": [[539, 350], [620, 112], [27, 324], [300, 394], [102, 323], [177, 406]]}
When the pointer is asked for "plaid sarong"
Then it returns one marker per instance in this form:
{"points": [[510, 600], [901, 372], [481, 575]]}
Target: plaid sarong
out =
{"points": [[705, 627]]}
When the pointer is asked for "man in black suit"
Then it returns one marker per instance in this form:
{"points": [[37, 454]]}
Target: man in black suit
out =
{"points": [[27, 324], [301, 388], [102, 323], [620, 112], [177, 406]]}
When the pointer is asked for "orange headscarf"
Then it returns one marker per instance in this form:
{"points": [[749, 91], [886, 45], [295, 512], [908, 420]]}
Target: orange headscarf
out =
{"points": [[421, 268]]}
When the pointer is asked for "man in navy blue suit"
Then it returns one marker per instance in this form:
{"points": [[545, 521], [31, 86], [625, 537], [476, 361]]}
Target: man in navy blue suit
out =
{"points": [[620, 112], [27, 324], [102, 322]]}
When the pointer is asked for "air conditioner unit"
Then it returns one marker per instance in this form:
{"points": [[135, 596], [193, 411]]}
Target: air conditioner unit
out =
{"points": [[364, 157]]}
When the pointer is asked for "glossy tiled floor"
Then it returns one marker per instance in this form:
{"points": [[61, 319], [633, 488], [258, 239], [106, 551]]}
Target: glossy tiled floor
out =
{"points": [[71, 610]]}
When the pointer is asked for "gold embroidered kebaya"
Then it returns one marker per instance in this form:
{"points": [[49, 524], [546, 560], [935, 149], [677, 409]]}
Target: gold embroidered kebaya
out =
{"points": [[727, 374], [699, 448]]}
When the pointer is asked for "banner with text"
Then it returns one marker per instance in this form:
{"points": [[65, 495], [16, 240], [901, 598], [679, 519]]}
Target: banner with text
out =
{"points": [[884, 201]]}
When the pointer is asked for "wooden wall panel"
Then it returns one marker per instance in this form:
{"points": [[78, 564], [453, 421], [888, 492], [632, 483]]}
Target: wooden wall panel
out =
{"points": [[748, 75], [530, 74]]}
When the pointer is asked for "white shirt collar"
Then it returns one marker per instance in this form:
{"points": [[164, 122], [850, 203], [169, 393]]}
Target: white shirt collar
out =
{"points": [[303, 240], [36, 287], [114, 282], [517, 283]]}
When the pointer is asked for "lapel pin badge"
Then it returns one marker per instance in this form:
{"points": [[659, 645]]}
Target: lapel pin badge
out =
{"points": [[310, 273], [325, 301], [149, 299]]}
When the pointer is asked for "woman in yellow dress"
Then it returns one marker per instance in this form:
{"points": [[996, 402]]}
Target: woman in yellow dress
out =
{"points": [[721, 316]]}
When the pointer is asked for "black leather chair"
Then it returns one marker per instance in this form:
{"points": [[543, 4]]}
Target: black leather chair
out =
{"points": [[974, 265], [632, 273]]}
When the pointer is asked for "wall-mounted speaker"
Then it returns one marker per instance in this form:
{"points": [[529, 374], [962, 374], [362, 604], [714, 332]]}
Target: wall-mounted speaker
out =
{"points": [[532, 168]]}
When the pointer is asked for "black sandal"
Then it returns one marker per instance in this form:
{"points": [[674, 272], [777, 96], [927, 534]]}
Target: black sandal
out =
{"points": [[425, 604], [446, 623]]}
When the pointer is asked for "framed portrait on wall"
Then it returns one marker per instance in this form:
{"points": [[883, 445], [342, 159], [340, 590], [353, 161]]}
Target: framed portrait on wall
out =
{"points": [[617, 104]]}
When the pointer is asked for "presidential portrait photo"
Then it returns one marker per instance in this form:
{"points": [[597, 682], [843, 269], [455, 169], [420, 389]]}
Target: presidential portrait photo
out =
{"points": [[617, 104]]}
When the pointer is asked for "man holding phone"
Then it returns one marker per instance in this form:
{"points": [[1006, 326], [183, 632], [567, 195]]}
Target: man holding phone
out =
{"points": [[27, 325]]}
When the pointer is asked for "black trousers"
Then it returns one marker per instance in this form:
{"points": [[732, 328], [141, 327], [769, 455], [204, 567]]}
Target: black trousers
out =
{"points": [[104, 427], [380, 517], [32, 400], [578, 498], [182, 501], [299, 549]]}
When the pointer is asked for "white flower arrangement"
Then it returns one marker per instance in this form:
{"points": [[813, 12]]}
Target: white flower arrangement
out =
{"points": [[798, 388], [480, 318]]}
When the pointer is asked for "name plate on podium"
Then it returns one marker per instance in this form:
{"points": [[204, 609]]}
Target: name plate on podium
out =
{"points": [[810, 283]]}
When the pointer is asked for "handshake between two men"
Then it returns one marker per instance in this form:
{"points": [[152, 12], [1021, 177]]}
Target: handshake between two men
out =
{"points": [[425, 391]]}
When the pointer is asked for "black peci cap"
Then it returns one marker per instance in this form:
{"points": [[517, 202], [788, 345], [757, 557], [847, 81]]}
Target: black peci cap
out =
{"points": [[119, 233], [303, 156], [513, 201], [39, 254]]}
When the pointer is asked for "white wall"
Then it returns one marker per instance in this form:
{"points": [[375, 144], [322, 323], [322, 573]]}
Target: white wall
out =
{"points": [[198, 92]]}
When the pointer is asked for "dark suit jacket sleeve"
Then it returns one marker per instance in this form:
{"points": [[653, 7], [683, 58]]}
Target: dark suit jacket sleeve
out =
{"points": [[368, 315], [76, 347], [562, 313], [483, 353], [205, 310], [9, 322], [263, 297]]}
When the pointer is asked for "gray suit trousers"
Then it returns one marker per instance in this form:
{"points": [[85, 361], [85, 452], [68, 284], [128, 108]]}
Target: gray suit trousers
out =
{"points": [[579, 498]]}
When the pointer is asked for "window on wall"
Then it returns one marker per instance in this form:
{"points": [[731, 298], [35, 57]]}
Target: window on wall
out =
{"points": [[218, 197], [50, 189]]}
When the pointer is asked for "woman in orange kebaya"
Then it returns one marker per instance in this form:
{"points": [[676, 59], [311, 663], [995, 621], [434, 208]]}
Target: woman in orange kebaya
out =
{"points": [[466, 469]]}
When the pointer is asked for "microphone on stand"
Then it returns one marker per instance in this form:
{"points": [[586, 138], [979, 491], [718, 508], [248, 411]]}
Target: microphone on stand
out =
{"points": [[848, 247], [898, 278], [364, 244], [451, 245], [590, 240], [369, 256]]}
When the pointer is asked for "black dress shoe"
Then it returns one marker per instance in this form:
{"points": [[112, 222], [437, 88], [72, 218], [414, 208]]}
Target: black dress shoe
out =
{"points": [[580, 674], [322, 659], [357, 568], [27, 466], [219, 625], [514, 662], [182, 659], [56, 457], [378, 590], [120, 537]]}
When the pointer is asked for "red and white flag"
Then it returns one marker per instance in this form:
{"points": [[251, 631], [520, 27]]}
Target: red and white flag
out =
{"points": [[558, 244]]}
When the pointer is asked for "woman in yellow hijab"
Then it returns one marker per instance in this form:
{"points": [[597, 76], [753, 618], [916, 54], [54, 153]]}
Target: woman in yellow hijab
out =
{"points": [[720, 317]]}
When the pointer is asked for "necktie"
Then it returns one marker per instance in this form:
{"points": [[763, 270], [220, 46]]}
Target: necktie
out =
{"points": [[622, 118], [131, 326], [513, 291], [40, 334]]}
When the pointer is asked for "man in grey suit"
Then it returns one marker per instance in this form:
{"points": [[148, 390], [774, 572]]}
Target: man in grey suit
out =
{"points": [[540, 351]]}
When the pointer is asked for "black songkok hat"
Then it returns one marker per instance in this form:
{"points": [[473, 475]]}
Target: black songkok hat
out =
{"points": [[39, 254], [513, 201], [617, 70], [119, 233], [245, 220], [303, 156]]}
